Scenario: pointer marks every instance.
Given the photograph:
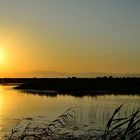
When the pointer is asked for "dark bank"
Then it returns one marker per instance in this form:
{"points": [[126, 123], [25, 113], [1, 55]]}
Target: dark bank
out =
{"points": [[78, 86]]}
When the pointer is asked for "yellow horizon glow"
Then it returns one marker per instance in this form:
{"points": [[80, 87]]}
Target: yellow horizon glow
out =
{"points": [[22, 51], [69, 37], [2, 55]]}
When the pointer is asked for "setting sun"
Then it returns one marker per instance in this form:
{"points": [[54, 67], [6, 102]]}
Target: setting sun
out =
{"points": [[69, 69]]}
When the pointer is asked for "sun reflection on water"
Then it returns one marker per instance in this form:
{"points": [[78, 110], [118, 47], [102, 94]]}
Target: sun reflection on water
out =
{"points": [[15, 105], [1, 108], [1, 98]]}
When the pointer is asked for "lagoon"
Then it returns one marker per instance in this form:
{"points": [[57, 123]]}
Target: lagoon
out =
{"points": [[91, 110]]}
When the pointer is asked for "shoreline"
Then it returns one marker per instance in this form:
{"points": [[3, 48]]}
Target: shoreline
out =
{"points": [[82, 86], [76, 86]]}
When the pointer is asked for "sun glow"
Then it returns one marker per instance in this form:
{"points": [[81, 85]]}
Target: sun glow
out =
{"points": [[1, 55]]}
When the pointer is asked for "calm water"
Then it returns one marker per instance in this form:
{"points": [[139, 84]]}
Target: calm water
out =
{"points": [[15, 105]]}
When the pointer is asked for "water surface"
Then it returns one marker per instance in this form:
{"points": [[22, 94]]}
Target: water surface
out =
{"points": [[94, 110]]}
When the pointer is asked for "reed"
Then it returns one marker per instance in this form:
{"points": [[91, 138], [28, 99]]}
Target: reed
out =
{"points": [[47, 132], [117, 128], [127, 128]]}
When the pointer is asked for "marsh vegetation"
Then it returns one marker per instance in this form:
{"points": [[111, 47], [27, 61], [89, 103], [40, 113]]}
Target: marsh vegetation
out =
{"points": [[64, 127], [83, 86], [36, 116]]}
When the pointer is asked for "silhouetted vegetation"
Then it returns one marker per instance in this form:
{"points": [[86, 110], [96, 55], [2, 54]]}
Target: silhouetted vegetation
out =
{"points": [[126, 128], [76, 86], [117, 128], [80, 87], [46, 132]]}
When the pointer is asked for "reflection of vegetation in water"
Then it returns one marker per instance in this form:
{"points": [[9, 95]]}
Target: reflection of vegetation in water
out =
{"points": [[65, 127]]}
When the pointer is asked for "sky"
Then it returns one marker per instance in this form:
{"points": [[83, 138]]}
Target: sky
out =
{"points": [[70, 36]]}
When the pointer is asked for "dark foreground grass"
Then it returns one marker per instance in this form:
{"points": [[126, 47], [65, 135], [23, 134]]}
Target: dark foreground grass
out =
{"points": [[117, 128], [127, 128]]}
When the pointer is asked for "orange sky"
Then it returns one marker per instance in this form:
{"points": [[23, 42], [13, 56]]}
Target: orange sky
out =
{"points": [[70, 36]]}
